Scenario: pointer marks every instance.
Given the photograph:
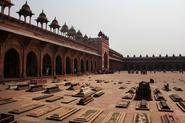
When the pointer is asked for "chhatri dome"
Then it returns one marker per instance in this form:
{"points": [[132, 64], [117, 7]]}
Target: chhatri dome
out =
{"points": [[25, 11]]}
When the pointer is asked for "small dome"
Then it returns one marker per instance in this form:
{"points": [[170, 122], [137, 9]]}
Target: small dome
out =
{"points": [[64, 28], [72, 31], [42, 18], [25, 10], [85, 36], [79, 33], [100, 34], [54, 24]]}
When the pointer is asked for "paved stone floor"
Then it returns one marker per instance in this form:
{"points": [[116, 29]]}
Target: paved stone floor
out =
{"points": [[106, 102]]}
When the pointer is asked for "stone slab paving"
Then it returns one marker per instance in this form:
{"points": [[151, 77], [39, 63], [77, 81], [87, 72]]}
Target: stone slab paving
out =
{"points": [[108, 101]]}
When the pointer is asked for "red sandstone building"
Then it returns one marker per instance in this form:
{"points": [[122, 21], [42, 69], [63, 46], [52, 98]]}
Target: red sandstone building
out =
{"points": [[28, 51]]}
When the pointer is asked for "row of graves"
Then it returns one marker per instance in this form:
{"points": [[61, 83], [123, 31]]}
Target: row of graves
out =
{"points": [[86, 95], [142, 94]]}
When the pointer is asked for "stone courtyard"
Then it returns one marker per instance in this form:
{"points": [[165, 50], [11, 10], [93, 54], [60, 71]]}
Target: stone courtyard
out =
{"points": [[107, 102]]}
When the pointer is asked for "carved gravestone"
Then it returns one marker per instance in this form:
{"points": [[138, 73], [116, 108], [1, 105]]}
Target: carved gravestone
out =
{"points": [[167, 87], [163, 106], [141, 118], [143, 91], [123, 104], [181, 105], [169, 118], [176, 98], [7, 118], [142, 105]]}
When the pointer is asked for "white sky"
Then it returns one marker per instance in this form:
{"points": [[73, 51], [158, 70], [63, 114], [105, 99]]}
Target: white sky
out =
{"points": [[133, 26]]}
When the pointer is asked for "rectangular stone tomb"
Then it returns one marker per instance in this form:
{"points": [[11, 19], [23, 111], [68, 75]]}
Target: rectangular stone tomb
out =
{"points": [[128, 96], [177, 89], [142, 105], [169, 118], [176, 98], [96, 89], [42, 97], [63, 113], [43, 110], [87, 116], [141, 118], [26, 108], [7, 118], [156, 91], [6, 101], [67, 84], [52, 89], [85, 100], [162, 106], [54, 98], [67, 100], [114, 117], [55, 80], [181, 105], [35, 88], [159, 97], [22, 87], [98, 93], [123, 104]]}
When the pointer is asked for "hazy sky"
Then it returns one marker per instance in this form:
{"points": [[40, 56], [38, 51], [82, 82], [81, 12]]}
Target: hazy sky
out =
{"points": [[133, 26]]}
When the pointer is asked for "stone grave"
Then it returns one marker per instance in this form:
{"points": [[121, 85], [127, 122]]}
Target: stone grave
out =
{"points": [[67, 99], [87, 116], [169, 118], [43, 110], [114, 117], [26, 108], [142, 105], [176, 98], [181, 105], [42, 97], [52, 89], [22, 86], [166, 87], [98, 93], [159, 97], [177, 89], [163, 106], [35, 88], [63, 113], [85, 100], [156, 91], [143, 91], [122, 104], [128, 96], [152, 81], [141, 118], [54, 98], [122, 87], [67, 84], [7, 118], [6, 100]]}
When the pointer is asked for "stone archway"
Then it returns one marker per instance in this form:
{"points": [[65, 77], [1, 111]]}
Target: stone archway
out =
{"points": [[91, 66], [68, 65], [105, 61], [11, 64], [58, 65], [46, 63], [75, 66], [82, 66], [87, 66], [31, 64]]}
